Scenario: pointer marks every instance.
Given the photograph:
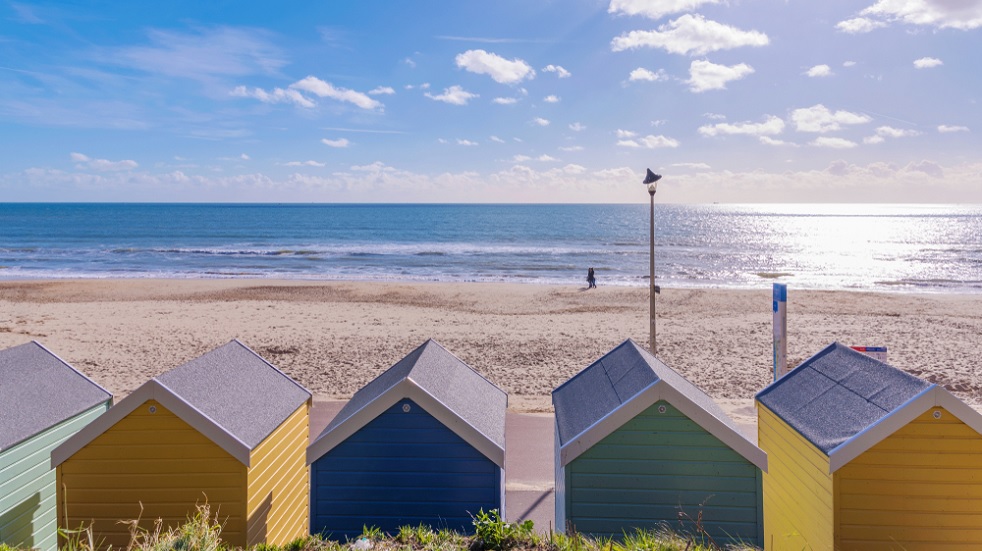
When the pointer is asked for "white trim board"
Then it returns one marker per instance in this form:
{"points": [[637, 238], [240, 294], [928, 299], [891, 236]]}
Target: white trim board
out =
{"points": [[152, 390], [931, 397], [656, 391], [404, 389]]}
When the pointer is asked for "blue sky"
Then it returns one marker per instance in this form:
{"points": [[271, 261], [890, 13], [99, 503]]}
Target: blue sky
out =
{"points": [[504, 101]]}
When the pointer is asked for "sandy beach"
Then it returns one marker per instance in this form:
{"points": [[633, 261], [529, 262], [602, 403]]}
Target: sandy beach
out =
{"points": [[333, 337]]}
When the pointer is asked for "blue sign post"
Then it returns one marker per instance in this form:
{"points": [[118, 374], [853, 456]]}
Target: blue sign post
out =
{"points": [[780, 330]]}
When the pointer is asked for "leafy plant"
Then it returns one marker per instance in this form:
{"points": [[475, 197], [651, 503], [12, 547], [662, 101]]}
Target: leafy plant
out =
{"points": [[494, 534]]}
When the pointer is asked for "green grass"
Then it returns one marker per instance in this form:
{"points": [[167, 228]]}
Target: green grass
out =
{"points": [[202, 532]]}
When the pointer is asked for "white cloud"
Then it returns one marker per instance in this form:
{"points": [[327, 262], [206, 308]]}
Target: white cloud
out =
{"points": [[455, 95], [819, 71], [890, 132], [498, 68], [625, 133], [278, 95], [339, 143], [546, 159], [767, 140], [942, 14], [921, 180], [496, 139], [505, 101], [848, 63], [382, 91], [551, 99], [245, 157], [650, 142], [858, 25], [819, 118], [305, 163], [84, 162], [645, 74], [571, 148], [770, 127], [205, 54], [521, 158], [540, 121], [655, 9], [577, 127], [927, 62], [874, 139], [705, 75], [467, 143], [946, 129], [714, 116], [324, 89], [558, 69], [692, 166], [930, 168], [692, 35], [833, 143]]}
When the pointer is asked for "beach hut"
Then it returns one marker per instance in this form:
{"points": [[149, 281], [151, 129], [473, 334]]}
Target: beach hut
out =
{"points": [[226, 428], [640, 447], [866, 457], [43, 401], [423, 443]]}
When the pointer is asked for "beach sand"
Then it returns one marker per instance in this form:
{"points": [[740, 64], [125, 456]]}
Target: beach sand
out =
{"points": [[333, 337]]}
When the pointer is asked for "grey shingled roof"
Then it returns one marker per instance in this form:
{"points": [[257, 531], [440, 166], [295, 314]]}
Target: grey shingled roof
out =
{"points": [[471, 397], [614, 380], [838, 393], [38, 390], [238, 390]]}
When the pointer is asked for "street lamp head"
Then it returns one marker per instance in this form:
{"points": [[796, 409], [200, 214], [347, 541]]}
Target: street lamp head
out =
{"points": [[651, 180]]}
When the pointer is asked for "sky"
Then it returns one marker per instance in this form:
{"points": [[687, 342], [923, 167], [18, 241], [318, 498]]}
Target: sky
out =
{"points": [[510, 101]]}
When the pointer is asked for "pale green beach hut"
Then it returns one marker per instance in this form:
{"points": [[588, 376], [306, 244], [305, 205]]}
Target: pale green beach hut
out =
{"points": [[43, 401], [640, 447]]}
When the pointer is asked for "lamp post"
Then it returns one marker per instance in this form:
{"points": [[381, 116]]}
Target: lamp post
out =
{"points": [[651, 180]]}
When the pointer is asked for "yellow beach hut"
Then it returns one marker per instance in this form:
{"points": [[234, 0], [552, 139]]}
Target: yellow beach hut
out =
{"points": [[863, 456], [43, 401], [226, 428]]}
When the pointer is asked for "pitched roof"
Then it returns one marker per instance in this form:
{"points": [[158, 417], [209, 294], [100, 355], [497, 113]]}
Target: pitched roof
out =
{"points": [[446, 387], [238, 389], [839, 393], [38, 390], [623, 383], [230, 394]]}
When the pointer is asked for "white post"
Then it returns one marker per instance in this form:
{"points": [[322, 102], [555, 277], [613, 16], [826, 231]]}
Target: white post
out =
{"points": [[780, 330]]}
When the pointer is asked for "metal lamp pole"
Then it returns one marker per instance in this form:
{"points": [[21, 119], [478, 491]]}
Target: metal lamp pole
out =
{"points": [[651, 180]]}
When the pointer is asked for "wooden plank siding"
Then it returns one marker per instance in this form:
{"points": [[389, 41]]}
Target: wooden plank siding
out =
{"points": [[401, 468], [798, 489], [28, 499], [159, 461], [662, 468], [278, 506], [918, 489]]}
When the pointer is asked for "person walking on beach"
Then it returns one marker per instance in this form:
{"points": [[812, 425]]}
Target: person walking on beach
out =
{"points": [[591, 279]]}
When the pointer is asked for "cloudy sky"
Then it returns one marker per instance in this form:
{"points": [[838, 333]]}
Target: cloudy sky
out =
{"points": [[503, 101]]}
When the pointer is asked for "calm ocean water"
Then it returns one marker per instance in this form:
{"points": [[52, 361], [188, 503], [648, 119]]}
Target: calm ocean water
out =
{"points": [[929, 248]]}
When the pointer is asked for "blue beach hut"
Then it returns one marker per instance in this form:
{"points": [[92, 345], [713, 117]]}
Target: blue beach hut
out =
{"points": [[423, 443], [43, 401], [640, 447]]}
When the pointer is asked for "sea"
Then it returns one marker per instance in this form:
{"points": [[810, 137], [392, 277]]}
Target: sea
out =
{"points": [[875, 247]]}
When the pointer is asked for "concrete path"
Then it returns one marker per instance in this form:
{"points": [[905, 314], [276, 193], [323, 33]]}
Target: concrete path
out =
{"points": [[529, 464]]}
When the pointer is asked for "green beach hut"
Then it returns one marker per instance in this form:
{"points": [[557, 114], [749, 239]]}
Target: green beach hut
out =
{"points": [[43, 401], [640, 447]]}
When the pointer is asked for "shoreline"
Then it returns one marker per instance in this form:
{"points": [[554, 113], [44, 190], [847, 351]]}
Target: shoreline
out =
{"points": [[335, 336], [765, 281]]}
